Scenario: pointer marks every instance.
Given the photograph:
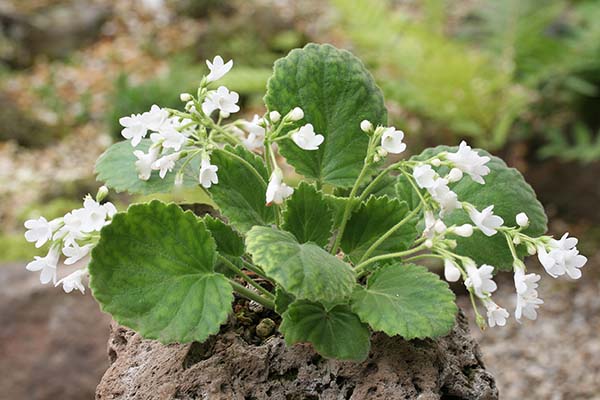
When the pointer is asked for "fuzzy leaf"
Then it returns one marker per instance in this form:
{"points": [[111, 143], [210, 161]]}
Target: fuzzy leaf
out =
{"points": [[304, 270], [335, 333], [153, 270], [510, 194], [240, 193], [282, 300], [336, 92], [370, 221], [308, 216], [229, 241], [406, 300], [116, 168]]}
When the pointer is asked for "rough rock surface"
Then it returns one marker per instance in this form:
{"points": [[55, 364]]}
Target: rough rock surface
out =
{"points": [[52, 345], [226, 367]]}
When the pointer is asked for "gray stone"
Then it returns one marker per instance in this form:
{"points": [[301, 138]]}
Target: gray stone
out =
{"points": [[227, 367]]}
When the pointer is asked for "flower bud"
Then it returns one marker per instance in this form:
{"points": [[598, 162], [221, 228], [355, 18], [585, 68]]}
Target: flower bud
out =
{"points": [[436, 162], [429, 243], [455, 175], [185, 97], [382, 152], [522, 220], [102, 193], [179, 179], [274, 116], [451, 271], [366, 126], [296, 114], [516, 240], [465, 230], [531, 250], [452, 244]]}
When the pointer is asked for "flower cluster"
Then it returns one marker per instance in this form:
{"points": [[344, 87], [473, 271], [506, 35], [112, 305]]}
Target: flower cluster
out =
{"points": [[74, 235], [178, 137]]}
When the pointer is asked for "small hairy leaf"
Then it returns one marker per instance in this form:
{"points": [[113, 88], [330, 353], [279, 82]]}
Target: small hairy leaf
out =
{"points": [[336, 92], [229, 241], [240, 193], [370, 221], [304, 270], [335, 333], [116, 168], [510, 194], [153, 270], [308, 216], [406, 300]]}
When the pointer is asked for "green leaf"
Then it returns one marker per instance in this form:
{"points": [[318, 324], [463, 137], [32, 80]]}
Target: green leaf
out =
{"points": [[153, 270], [370, 221], [405, 192], [406, 300], [510, 194], [282, 300], [116, 168], [337, 205], [336, 92], [308, 216], [229, 241], [304, 270], [240, 193], [335, 333]]}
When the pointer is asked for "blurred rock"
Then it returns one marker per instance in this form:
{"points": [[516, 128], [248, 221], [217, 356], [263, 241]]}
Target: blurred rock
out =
{"points": [[54, 31], [227, 367], [24, 129], [52, 345]]}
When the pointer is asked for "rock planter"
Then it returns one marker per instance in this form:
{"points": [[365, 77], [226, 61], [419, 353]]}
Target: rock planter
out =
{"points": [[228, 367]]}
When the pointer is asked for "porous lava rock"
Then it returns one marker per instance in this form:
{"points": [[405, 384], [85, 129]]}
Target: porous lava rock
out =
{"points": [[228, 367]]}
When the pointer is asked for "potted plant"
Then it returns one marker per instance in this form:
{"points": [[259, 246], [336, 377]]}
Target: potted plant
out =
{"points": [[337, 257]]}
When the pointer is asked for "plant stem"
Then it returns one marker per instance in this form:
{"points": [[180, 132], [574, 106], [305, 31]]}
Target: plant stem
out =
{"points": [[251, 267], [390, 232], [379, 177], [415, 188], [421, 256], [249, 294], [247, 165], [245, 277], [340, 233], [361, 266]]}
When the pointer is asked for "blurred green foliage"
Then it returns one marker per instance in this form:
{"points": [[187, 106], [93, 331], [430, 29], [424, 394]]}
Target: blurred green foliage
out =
{"points": [[518, 68]]}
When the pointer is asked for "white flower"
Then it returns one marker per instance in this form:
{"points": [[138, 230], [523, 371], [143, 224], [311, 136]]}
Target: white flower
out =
{"points": [[391, 141], [446, 198], [277, 191], [496, 315], [110, 209], [218, 68], [274, 116], [563, 257], [485, 220], [480, 280], [94, 215], [72, 227], [522, 219], [73, 281], [525, 282], [47, 265], [134, 128], [527, 296], [40, 230], [296, 114], [172, 138], [185, 97], [223, 100], [165, 164], [366, 126], [307, 139], [451, 271], [470, 162], [256, 133], [208, 173], [465, 230], [155, 119], [433, 226], [454, 175], [144, 162], [75, 253], [424, 176]]}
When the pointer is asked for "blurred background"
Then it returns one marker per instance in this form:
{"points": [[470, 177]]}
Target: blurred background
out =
{"points": [[520, 78]]}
